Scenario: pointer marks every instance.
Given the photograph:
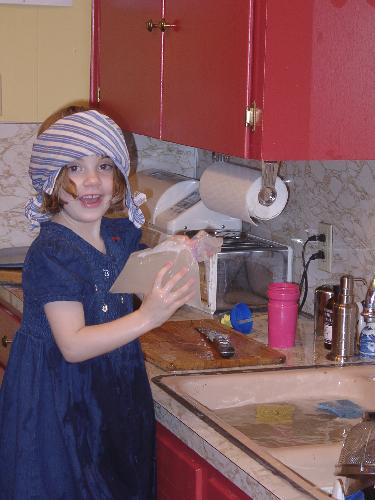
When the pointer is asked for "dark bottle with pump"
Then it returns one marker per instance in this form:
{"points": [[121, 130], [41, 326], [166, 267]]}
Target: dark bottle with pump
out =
{"points": [[328, 318]]}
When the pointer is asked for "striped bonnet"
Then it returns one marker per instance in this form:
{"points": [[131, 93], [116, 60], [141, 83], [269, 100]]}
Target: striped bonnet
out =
{"points": [[69, 139]]}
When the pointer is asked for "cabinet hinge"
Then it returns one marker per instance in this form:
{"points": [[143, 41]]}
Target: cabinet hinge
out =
{"points": [[252, 116], [98, 94]]}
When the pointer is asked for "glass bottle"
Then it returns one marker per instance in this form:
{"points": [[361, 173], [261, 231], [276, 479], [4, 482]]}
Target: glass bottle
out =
{"points": [[367, 336], [328, 318]]}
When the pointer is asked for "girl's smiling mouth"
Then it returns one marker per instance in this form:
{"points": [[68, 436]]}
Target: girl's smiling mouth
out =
{"points": [[91, 200]]}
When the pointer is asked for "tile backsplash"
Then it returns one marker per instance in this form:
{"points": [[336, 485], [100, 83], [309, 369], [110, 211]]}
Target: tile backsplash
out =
{"points": [[341, 193], [15, 188]]}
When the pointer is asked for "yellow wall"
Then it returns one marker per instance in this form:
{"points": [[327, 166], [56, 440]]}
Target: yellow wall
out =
{"points": [[44, 59]]}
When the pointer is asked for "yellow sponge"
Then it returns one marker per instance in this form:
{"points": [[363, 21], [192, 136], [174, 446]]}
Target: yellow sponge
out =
{"points": [[274, 413], [225, 320]]}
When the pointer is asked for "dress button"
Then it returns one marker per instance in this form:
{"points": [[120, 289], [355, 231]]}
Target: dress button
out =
{"points": [[105, 308], [106, 273]]}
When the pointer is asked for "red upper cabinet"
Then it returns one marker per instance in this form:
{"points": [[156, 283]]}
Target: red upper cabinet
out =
{"points": [[188, 84], [305, 67], [313, 70]]}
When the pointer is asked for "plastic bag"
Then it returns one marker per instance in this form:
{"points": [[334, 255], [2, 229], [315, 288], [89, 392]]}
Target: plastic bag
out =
{"points": [[204, 246], [139, 273]]}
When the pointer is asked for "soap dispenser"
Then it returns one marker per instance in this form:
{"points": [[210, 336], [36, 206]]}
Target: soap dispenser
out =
{"points": [[345, 317]]}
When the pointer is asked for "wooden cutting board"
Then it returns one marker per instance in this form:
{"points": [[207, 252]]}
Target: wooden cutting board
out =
{"points": [[178, 346]]}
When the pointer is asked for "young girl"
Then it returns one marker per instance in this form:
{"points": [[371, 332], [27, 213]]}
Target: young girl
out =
{"points": [[76, 412]]}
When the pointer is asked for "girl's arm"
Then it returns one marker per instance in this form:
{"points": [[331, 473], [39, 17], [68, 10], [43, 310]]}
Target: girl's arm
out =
{"points": [[78, 342]]}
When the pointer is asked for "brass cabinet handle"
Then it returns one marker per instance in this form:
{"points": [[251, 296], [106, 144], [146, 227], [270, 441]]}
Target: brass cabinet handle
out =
{"points": [[5, 341], [150, 25], [162, 25]]}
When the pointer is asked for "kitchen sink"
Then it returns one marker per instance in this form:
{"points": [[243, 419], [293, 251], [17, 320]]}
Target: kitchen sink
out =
{"points": [[274, 414]]}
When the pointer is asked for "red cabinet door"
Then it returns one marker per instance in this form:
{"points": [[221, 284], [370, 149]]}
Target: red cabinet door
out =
{"points": [[313, 70], [184, 475], [219, 487], [180, 471], [129, 61], [206, 83]]}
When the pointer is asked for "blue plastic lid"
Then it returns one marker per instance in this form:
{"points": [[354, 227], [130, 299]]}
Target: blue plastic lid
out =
{"points": [[241, 318], [358, 495]]}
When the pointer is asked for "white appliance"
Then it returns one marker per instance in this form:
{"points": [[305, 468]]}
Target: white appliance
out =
{"points": [[173, 203]]}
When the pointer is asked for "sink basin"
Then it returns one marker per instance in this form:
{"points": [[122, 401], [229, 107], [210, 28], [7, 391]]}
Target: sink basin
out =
{"points": [[273, 414]]}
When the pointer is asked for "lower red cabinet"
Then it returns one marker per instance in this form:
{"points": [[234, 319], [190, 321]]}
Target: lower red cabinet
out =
{"points": [[184, 475]]}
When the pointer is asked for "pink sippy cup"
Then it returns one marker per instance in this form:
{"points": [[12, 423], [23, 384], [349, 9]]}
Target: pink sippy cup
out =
{"points": [[282, 314]]}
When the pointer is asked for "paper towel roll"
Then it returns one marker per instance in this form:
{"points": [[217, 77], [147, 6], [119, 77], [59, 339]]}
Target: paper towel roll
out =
{"points": [[233, 190]]}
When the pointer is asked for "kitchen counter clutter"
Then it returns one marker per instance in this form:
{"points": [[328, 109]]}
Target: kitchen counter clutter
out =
{"points": [[246, 468]]}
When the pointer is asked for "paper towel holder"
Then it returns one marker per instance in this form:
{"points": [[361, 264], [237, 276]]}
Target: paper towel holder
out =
{"points": [[268, 194]]}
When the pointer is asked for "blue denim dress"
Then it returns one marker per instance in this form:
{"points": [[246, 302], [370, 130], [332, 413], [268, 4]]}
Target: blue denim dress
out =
{"points": [[76, 431]]}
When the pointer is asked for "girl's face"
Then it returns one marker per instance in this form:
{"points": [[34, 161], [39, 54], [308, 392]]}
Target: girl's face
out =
{"points": [[93, 178]]}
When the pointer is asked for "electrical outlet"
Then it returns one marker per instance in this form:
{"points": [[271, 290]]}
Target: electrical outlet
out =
{"points": [[326, 263]]}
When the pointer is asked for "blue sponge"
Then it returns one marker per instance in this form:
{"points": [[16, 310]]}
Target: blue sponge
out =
{"points": [[343, 408]]}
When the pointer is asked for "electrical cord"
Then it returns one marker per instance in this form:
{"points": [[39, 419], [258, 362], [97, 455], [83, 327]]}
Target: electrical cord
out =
{"points": [[315, 237], [304, 278]]}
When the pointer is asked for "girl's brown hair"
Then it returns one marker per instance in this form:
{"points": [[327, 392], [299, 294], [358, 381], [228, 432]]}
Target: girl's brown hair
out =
{"points": [[51, 202]]}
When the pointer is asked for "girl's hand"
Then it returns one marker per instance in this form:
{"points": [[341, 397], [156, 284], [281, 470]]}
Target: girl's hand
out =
{"points": [[79, 342], [163, 300]]}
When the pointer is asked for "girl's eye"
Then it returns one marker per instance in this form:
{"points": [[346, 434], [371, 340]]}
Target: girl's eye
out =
{"points": [[74, 169], [106, 167]]}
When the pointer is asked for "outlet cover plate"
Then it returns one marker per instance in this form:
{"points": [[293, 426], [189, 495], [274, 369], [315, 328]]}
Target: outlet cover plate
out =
{"points": [[326, 263]]}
